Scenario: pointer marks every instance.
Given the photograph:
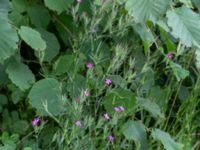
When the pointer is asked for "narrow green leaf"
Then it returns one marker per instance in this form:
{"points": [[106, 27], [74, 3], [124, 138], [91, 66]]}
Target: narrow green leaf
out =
{"points": [[32, 38], [197, 52]]}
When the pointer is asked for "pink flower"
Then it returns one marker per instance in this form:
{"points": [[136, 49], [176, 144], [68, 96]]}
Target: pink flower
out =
{"points": [[119, 109], [94, 30], [89, 65], [108, 82], [36, 121], [87, 93], [106, 116], [78, 123], [104, 1], [79, 1], [169, 55], [78, 100], [110, 138]]}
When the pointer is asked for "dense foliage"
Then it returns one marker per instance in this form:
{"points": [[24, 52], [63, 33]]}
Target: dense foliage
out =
{"points": [[99, 74]]}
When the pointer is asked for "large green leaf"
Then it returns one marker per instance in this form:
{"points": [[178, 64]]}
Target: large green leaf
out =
{"points": [[179, 71], [120, 97], [166, 140], [76, 85], [39, 16], [3, 101], [46, 94], [135, 130], [143, 10], [159, 96], [18, 19], [13, 123], [8, 40], [32, 38], [20, 74], [20, 5], [3, 75], [185, 25], [118, 81], [64, 64], [59, 5], [188, 3], [150, 106], [53, 45], [196, 3], [4, 8], [145, 33]]}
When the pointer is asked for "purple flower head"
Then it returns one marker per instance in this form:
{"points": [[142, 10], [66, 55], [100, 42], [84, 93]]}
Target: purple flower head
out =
{"points": [[110, 138], [106, 116], [108, 82], [169, 55], [89, 65], [78, 123], [119, 109], [78, 1], [36, 121], [87, 93]]}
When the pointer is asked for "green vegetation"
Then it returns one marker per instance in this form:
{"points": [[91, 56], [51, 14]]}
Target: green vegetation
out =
{"points": [[99, 74]]}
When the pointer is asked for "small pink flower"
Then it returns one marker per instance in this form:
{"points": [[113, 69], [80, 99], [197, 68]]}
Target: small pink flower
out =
{"points": [[36, 121], [78, 100], [89, 65], [119, 109], [110, 138], [104, 1], [78, 123], [169, 55], [106, 116], [79, 1], [87, 93], [108, 82], [94, 30]]}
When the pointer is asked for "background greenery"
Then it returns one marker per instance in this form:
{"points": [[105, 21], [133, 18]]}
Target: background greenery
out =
{"points": [[44, 49]]}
